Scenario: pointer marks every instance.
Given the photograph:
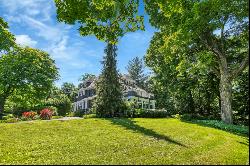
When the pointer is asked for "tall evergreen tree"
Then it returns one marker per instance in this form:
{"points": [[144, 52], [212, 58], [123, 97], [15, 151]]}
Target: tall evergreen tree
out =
{"points": [[136, 71], [109, 101]]}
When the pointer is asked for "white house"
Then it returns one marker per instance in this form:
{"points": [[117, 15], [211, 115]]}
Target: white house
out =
{"points": [[131, 92]]}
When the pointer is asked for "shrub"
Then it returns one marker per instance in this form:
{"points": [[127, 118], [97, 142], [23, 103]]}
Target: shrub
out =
{"points": [[46, 114], [54, 110], [28, 115], [79, 113], [10, 120], [176, 116], [70, 114], [189, 117], [18, 111], [36, 117], [223, 126], [8, 116], [144, 113], [87, 116], [57, 117], [154, 113], [61, 102]]}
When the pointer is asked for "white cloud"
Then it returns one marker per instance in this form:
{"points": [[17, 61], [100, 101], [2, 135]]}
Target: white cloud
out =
{"points": [[51, 33], [28, 7], [68, 50], [25, 40]]}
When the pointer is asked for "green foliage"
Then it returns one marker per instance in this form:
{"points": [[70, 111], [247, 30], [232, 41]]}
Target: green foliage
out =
{"points": [[70, 90], [7, 40], [108, 101], [106, 19], [26, 73], [85, 77], [10, 120], [8, 116], [57, 117], [88, 116], [199, 45], [61, 102], [144, 113], [227, 127], [135, 70], [240, 101], [80, 112]]}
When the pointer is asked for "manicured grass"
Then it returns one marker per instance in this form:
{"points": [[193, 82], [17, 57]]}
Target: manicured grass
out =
{"points": [[119, 141]]}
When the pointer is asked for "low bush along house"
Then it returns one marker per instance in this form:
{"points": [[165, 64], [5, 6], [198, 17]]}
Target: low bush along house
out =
{"points": [[131, 92]]}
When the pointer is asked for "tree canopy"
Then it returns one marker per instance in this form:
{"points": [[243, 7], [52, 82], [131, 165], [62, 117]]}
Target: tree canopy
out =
{"points": [[25, 68], [106, 19], [214, 31]]}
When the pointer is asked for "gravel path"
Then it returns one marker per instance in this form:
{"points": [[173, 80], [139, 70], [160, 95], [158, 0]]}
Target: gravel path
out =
{"points": [[67, 118]]}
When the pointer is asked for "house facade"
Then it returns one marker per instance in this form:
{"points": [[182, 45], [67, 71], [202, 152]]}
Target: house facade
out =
{"points": [[131, 92]]}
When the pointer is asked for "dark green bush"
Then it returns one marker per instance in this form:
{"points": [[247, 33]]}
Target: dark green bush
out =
{"points": [[18, 111], [57, 117], [80, 112], [87, 116], [145, 113], [61, 102], [10, 120], [189, 117]]}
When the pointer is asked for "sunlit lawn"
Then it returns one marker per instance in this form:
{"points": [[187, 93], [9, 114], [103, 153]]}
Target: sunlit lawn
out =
{"points": [[119, 141]]}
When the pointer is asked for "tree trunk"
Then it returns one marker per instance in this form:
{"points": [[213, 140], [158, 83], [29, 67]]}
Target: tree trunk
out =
{"points": [[226, 98]]}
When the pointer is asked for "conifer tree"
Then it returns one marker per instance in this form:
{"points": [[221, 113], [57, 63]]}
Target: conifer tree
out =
{"points": [[108, 102]]}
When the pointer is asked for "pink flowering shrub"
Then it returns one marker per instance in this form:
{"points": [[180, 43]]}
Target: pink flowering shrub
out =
{"points": [[46, 114]]}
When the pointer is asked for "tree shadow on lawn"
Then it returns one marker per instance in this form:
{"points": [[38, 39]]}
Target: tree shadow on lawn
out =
{"points": [[131, 125]]}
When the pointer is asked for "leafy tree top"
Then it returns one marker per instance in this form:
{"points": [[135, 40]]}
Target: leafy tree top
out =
{"points": [[218, 28], [106, 19], [7, 40], [24, 67]]}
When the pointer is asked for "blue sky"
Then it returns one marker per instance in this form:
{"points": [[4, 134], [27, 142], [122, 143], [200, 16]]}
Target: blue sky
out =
{"points": [[34, 24]]}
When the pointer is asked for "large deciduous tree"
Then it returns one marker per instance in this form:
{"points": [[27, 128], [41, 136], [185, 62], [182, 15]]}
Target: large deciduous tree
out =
{"points": [[211, 27], [26, 69], [108, 20]]}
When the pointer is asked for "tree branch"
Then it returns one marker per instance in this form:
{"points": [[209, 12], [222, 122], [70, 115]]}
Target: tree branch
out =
{"points": [[222, 33], [242, 66], [216, 71]]}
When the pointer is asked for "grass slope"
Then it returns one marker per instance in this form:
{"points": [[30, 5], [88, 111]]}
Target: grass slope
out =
{"points": [[119, 141]]}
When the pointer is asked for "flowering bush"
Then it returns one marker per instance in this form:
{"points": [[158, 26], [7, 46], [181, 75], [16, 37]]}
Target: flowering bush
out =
{"points": [[46, 114], [29, 115]]}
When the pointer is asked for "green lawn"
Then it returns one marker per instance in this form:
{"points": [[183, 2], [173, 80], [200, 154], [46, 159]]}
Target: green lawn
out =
{"points": [[119, 141]]}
